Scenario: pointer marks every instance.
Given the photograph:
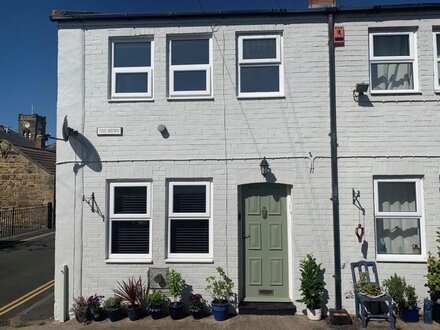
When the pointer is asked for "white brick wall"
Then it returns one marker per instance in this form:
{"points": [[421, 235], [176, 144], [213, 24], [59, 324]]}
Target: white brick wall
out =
{"points": [[284, 127]]}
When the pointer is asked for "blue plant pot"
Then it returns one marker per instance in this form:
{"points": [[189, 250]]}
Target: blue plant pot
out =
{"points": [[134, 313], [114, 315], [220, 310], [176, 310], [409, 315], [155, 311]]}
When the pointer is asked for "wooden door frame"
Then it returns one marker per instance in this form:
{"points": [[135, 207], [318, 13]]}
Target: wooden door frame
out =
{"points": [[241, 249]]}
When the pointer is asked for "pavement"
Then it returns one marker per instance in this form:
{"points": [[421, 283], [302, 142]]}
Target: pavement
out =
{"points": [[240, 322]]}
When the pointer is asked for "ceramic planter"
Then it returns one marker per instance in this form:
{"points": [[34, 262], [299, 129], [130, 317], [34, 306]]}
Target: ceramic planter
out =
{"points": [[409, 315], [197, 313], [314, 314], [176, 310], [114, 315], [155, 311], [98, 315], [220, 310], [134, 313]]}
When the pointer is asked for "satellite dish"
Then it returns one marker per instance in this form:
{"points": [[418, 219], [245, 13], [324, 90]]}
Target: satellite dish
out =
{"points": [[67, 131]]}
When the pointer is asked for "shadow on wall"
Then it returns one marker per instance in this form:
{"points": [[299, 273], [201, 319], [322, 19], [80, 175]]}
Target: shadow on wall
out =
{"points": [[86, 152]]}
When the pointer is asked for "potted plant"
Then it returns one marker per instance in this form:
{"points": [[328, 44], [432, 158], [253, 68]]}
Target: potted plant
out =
{"points": [[196, 305], [81, 310], [312, 286], [404, 296], [156, 299], [112, 305], [175, 286], [220, 289], [133, 292], [433, 280], [369, 289], [95, 308]]}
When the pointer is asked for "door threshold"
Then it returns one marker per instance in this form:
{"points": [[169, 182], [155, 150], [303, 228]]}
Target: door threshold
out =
{"points": [[267, 308]]}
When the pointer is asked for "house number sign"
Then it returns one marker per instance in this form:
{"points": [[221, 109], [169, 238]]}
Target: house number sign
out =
{"points": [[109, 131]]}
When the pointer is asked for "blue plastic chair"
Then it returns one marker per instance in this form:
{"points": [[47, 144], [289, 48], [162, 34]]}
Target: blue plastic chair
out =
{"points": [[386, 310]]}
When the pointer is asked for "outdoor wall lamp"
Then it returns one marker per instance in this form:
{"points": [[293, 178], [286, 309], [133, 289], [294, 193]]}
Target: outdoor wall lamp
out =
{"points": [[360, 89], [264, 166]]}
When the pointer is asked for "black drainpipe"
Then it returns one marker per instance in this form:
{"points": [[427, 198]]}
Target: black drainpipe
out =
{"points": [[334, 160]]}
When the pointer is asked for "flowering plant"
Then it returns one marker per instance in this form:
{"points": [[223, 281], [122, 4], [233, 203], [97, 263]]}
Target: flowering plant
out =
{"points": [[80, 309], [196, 302], [94, 303]]}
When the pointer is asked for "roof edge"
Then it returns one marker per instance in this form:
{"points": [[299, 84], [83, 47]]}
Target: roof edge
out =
{"points": [[65, 15]]}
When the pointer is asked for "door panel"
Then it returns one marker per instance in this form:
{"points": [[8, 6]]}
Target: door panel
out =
{"points": [[265, 242]]}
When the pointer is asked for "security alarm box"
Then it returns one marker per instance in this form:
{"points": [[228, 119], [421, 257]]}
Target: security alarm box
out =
{"points": [[339, 36]]}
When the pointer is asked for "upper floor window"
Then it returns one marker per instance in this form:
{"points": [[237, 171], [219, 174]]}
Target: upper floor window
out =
{"points": [[399, 219], [437, 60], [189, 222], [132, 69], [130, 221], [190, 66], [260, 70], [393, 65]]}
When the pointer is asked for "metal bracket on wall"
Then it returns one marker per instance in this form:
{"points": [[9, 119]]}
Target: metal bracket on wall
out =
{"points": [[93, 205], [356, 202]]}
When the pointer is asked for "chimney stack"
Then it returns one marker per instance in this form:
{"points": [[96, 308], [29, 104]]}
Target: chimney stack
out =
{"points": [[39, 142], [322, 3]]}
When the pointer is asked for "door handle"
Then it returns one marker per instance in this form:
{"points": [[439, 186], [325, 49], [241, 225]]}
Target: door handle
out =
{"points": [[244, 236]]}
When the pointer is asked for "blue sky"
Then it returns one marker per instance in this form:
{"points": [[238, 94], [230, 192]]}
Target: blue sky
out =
{"points": [[29, 38]]}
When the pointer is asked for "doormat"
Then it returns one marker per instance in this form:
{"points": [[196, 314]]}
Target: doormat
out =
{"points": [[339, 317]]}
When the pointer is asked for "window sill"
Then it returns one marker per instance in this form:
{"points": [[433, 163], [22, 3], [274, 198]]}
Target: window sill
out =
{"points": [[190, 261], [401, 258], [129, 261], [116, 100], [261, 96], [190, 98], [394, 92]]}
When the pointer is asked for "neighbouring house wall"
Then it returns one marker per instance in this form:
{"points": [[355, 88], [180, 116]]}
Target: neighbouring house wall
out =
{"points": [[403, 127], [23, 183]]}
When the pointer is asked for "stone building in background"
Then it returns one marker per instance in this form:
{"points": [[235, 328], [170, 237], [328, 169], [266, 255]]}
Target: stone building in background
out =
{"points": [[27, 166]]}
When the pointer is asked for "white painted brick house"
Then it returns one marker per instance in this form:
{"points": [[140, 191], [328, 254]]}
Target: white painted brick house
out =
{"points": [[229, 89]]}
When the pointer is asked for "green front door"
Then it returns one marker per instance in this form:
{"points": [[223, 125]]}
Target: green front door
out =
{"points": [[265, 242]]}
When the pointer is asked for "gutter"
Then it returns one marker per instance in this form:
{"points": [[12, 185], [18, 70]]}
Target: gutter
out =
{"points": [[72, 16]]}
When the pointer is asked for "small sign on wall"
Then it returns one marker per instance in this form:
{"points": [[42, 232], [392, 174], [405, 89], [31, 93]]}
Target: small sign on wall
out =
{"points": [[339, 36], [109, 131]]}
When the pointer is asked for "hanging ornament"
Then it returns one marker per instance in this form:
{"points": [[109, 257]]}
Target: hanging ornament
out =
{"points": [[360, 232]]}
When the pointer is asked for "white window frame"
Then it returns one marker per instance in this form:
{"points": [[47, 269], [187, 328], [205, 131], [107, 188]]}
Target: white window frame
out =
{"points": [[412, 59], [190, 257], [123, 257], [190, 67], [436, 63], [419, 214], [138, 69], [261, 62]]}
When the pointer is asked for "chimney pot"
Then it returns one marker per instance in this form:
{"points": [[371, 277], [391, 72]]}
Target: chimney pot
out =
{"points": [[322, 3]]}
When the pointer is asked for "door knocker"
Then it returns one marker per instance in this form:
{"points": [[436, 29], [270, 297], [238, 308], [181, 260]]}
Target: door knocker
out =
{"points": [[264, 212], [359, 231]]}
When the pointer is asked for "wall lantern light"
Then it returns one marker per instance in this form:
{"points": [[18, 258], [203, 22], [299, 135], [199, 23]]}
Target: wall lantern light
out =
{"points": [[264, 166], [360, 89]]}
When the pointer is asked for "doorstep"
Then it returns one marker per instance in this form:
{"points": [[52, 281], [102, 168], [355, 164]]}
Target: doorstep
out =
{"points": [[267, 308]]}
